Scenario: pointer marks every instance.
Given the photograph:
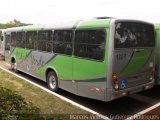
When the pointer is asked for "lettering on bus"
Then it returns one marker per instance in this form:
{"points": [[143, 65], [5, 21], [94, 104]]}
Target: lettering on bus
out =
{"points": [[33, 61], [121, 56]]}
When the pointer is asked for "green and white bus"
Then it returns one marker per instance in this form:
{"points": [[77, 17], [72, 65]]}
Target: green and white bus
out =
{"points": [[0, 41], [4, 42], [102, 59]]}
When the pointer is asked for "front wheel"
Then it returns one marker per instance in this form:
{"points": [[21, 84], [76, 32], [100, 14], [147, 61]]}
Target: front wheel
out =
{"points": [[52, 81]]}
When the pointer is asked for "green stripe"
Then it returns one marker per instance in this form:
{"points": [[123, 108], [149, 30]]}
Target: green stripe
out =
{"points": [[32, 28], [138, 60], [95, 24], [103, 79]]}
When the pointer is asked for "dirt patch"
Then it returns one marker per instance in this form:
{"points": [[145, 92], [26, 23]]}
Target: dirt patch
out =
{"points": [[16, 84]]}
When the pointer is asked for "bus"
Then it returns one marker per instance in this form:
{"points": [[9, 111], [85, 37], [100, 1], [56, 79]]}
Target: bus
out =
{"points": [[4, 43], [102, 59], [0, 40], [157, 54]]}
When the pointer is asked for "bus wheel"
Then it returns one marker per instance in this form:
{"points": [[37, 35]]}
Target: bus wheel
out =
{"points": [[14, 66], [52, 81]]}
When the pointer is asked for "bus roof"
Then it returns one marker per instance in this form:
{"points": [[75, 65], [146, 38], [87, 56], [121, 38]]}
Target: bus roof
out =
{"points": [[32, 27], [95, 23], [14, 29], [61, 25]]}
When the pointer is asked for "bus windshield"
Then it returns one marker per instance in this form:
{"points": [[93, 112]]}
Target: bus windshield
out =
{"points": [[134, 35]]}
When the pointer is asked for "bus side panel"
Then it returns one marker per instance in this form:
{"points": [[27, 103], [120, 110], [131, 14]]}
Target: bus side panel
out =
{"points": [[18, 53], [34, 62], [63, 66], [92, 88], [90, 76]]}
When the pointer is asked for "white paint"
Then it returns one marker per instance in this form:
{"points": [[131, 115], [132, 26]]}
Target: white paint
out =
{"points": [[48, 11], [143, 112], [59, 96]]}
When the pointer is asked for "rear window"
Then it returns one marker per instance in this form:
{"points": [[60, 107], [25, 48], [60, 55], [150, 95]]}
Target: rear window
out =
{"points": [[131, 34]]}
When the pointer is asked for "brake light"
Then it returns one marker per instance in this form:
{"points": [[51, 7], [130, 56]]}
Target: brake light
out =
{"points": [[115, 80], [114, 76]]}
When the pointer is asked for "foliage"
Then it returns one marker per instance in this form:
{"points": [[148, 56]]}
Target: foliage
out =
{"points": [[14, 23], [12, 104], [51, 107]]}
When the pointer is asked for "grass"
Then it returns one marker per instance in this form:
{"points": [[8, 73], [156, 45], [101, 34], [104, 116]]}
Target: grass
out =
{"points": [[46, 102]]}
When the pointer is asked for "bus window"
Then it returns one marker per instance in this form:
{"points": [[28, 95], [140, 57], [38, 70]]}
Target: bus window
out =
{"points": [[2, 38], [20, 39], [62, 41], [31, 40], [7, 42], [90, 44], [45, 41], [130, 35], [13, 39]]}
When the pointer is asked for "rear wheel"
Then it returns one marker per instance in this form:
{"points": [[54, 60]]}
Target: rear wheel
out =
{"points": [[52, 81]]}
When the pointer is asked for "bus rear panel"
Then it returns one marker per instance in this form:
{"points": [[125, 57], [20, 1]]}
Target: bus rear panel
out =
{"points": [[133, 58]]}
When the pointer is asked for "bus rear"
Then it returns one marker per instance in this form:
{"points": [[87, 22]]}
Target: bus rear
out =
{"points": [[132, 64]]}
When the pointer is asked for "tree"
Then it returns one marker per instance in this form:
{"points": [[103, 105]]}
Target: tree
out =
{"points": [[14, 23]]}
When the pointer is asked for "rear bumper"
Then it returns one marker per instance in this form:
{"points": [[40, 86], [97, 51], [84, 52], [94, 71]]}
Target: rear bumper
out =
{"points": [[112, 94]]}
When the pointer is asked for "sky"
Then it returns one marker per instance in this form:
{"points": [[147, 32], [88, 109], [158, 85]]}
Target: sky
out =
{"points": [[50, 11]]}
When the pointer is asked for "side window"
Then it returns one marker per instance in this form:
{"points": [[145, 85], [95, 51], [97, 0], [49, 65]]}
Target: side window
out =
{"points": [[2, 38], [7, 42], [45, 41], [13, 39], [20, 39], [31, 40], [90, 44], [62, 41]]}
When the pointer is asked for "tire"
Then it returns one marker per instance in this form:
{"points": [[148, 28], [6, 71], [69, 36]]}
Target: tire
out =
{"points": [[52, 81], [14, 66]]}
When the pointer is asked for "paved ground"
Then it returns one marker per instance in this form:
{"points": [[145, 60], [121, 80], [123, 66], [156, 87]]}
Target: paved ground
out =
{"points": [[155, 113], [129, 105]]}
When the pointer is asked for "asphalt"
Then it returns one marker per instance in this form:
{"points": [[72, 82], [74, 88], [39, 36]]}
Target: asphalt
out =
{"points": [[126, 106]]}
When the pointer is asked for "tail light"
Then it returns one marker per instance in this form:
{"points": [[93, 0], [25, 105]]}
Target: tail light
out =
{"points": [[115, 80], [114, 76]]}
